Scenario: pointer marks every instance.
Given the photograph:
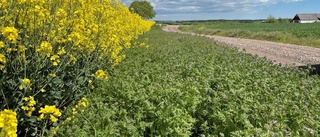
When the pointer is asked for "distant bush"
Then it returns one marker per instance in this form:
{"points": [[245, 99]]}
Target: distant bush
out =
{"points": [[284, 20], [271, 19]]}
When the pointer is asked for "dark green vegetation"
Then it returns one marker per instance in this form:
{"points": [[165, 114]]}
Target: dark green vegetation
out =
{"points": [[143, 8], [190, 86], [295, 33]]}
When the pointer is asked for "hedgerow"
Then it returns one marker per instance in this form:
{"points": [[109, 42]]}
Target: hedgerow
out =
{"points": [[52, 53]]}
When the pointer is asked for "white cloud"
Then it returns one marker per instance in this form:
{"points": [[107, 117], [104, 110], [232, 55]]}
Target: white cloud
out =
{"points": [[215, 9], [207, 6]]}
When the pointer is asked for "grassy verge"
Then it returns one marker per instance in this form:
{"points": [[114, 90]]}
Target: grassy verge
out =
{"points": [[300, 34], [189, 86]]}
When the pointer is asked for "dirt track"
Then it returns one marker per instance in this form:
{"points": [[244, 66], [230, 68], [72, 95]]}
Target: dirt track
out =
{"points": [[286, 54]]}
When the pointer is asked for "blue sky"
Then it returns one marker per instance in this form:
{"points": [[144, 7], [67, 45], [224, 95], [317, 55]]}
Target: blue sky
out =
{"points": [[229, 9]]}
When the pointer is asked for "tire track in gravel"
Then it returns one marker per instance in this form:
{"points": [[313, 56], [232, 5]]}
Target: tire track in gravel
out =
{"points": [[280, 53]]}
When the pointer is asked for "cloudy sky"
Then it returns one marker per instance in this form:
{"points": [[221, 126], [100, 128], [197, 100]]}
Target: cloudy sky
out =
{"points": [[229, 9]]}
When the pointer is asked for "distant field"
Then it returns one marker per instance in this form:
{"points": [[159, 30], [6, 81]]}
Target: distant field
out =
{"points": [[302, 34]]}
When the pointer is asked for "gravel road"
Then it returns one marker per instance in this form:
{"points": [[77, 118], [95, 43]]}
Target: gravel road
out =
{"points": [[286, 54]]}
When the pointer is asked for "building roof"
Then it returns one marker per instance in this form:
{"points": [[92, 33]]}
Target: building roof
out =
{"points": [[307, 16]]}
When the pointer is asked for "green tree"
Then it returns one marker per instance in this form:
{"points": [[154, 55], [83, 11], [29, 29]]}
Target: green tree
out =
{"points": [[271, 19], [143, 8], [284, 20]]}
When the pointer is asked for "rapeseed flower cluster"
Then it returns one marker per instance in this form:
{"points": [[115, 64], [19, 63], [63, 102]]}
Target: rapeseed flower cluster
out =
{"points": [[2, 45], [10, 34], [52, 111], [25, 83], [3, 61], [100, 74], [55, 59], [50, 50], [8, 123], [30, 107], [79, 107], [45, 48]]}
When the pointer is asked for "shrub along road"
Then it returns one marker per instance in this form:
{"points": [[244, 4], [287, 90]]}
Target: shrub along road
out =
{"points": [[286, 54]]}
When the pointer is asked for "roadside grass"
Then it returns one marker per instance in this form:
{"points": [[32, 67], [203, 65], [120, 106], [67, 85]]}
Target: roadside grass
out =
{"points": [[292, 33], [189, 86]]}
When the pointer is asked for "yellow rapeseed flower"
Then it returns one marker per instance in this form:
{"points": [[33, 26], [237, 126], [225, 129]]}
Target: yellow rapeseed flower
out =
{"points": [[10, 33], [53, 118], [42, 90], [45, 48], [8, 123], [69, 119], [2, 45], [72, 58], [61, 51], [101, 75], [55, 63], [1, 121], [32, 102], [54, 57], [55, 60], [82, 103], [90, 30], [3, 59], [29, 114], [40, 117], [29, 108], [22, 48], [25, 82], [52, 111], [52, 75]]}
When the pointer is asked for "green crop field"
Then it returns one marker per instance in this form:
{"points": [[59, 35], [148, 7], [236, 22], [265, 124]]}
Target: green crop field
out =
{"points": [[190, 86], [295, 33]]}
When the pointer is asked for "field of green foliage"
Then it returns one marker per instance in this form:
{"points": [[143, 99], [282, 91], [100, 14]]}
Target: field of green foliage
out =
{"points": [[295, 33], [190, 86]]}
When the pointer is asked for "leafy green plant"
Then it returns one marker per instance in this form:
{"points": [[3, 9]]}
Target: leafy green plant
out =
{"points": [[189, 86]]}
